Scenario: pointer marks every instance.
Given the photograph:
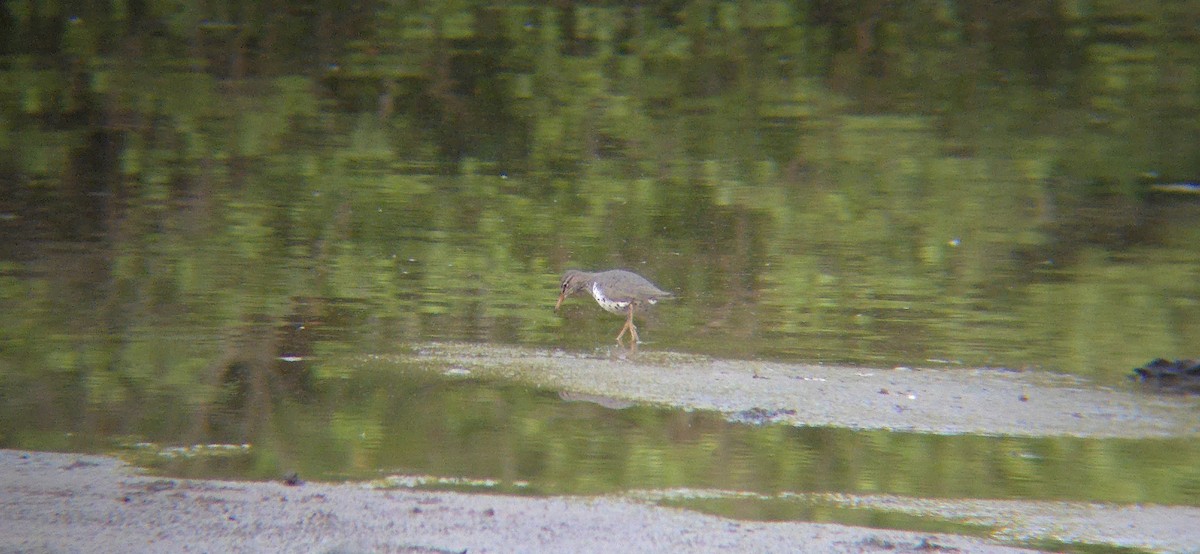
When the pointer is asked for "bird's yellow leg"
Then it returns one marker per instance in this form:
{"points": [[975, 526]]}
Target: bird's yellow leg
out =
{"points": [[631, 326]]}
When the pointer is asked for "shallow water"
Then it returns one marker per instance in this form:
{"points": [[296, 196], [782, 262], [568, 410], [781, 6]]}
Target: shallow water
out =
{"points": [[385, 419], [229, 324], [189, 258]]}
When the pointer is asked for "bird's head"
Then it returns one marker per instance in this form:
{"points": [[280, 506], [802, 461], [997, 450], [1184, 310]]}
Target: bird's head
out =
{"points": [[573, 281]]}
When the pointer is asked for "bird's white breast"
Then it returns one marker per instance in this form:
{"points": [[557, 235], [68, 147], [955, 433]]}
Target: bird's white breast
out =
{"points": [[610, 305]]}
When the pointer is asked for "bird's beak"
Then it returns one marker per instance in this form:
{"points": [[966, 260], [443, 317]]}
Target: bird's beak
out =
{"points": [[560, 299]]}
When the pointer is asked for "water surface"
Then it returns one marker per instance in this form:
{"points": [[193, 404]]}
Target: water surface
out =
{"points": [[196, 233]]}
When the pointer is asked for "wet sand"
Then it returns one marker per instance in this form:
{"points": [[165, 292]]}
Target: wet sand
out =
{"points": [[945, 401], [52, 502], [76, 503]]}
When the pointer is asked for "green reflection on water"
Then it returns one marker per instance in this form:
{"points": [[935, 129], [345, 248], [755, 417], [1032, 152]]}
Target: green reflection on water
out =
{"points": [[797, 509], [792, 509], [181, 213], [382, 419], [399, 258]]}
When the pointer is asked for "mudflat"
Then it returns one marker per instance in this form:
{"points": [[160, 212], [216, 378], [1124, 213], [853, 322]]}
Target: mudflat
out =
{"points": [[992, 401], [74, 503], [54, 502]]}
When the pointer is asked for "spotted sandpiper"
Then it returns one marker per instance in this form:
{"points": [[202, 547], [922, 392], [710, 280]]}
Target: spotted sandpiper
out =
{"points": [[616, 290]]}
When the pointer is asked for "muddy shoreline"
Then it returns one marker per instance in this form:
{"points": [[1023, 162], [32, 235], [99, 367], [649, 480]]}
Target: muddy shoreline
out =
{"points": [[75, 503], [943, 401], [53, 502]]}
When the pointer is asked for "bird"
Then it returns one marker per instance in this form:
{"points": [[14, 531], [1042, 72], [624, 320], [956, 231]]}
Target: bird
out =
{"points": [[616, 290]]}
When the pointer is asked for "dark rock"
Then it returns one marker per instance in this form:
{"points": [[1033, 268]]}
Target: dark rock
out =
{"points": [[1170, 376]]}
